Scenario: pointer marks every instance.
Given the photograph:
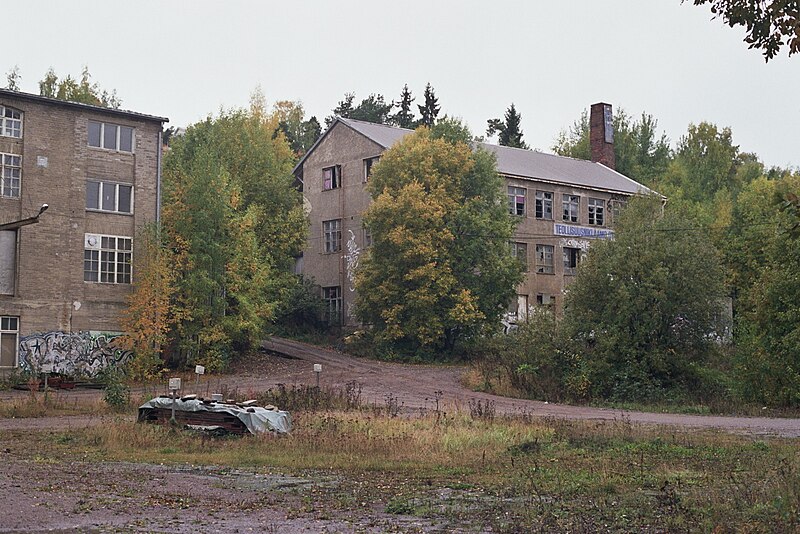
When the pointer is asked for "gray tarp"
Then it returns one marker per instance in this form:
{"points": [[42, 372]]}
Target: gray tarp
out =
{"points": [[258, 420]]}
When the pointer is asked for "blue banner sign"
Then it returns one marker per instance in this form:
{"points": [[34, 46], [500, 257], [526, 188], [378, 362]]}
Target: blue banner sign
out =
{"points": [[568, 230]]}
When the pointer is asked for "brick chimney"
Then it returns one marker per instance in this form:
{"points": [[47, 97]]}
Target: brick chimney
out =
{"points": [[601, 134]]}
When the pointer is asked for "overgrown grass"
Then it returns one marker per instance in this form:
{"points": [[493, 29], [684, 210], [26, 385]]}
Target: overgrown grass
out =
{"points": [[54, 403], [510, 474]]}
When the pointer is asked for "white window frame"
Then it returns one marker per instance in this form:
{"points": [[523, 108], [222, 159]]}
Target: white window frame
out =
{"points": [[102, 186], [332, 235], [514, 194], [6, 191], [544, 199], [7, 123], [597, 211], [544, 259], [6, 330], [333, 304], [571, 208], [94, 249], [336, 177], [119, 128]]}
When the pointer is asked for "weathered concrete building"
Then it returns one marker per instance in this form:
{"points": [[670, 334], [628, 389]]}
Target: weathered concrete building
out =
{"points": [[65, 272], [562, 204]]}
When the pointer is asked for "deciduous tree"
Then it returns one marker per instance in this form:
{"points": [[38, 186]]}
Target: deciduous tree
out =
{"points": [[77, 90]]}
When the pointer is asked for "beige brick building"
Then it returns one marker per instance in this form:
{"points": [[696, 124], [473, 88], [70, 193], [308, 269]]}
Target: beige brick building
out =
{"points": [[65, 274], [562, 205]]}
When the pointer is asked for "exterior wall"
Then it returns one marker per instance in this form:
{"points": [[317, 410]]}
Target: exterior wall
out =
{"points": [[50, 293], [344, 147], [347, 148]]}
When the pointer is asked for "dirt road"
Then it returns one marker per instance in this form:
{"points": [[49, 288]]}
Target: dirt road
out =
{"points": [[416, 385]]}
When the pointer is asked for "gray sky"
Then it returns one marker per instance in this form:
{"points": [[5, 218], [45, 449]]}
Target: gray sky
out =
{"points": [[186, 59]]}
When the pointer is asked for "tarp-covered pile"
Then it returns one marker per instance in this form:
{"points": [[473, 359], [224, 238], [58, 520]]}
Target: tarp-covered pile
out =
{"points": [[236, 418]]}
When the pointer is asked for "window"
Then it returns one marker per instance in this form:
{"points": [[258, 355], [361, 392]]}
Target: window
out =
{"points": [[596, 209], [615, 206], [544, 259], [520, 251], [571, 258], [543, 299], [10, 175], [516, 200], [331, 177], [570, 205], [368, 163], [518, 308], [9, 340], [111, 136], [107, 259], [544, 205], [10, 122], [333, 304], [108, 196], [332, 233], [8, 261]]}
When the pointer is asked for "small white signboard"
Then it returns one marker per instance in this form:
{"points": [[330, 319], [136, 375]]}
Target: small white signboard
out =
{"points": [[317, 367], [174, 384], [47, 368], [199, 369]]}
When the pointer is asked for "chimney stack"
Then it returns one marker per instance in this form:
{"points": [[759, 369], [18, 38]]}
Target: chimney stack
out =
{"points": [[601, 134]]}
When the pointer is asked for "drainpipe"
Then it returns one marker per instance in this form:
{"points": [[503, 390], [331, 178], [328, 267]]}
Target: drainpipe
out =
{"points": [[158, 175]]}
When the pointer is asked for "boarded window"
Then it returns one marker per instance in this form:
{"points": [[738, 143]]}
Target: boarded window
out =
{"points": [[8, 261]]}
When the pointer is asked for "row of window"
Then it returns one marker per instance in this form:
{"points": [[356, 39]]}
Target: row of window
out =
{"points": [[545, 257], [332, 176], [570, 206]]}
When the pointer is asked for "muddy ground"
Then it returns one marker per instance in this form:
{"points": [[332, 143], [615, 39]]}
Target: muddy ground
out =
{"points": [[43, 494]]}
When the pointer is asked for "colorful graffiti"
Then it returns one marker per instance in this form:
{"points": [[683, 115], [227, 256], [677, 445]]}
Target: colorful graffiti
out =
{"points": [[79, 354]]}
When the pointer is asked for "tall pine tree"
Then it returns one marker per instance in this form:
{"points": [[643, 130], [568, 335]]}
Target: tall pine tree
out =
{"points": [[510, 134], [404, 118], [430, 109]]}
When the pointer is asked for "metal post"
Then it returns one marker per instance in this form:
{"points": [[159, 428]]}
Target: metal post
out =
{"points": [[172, 419], [317, 371]]}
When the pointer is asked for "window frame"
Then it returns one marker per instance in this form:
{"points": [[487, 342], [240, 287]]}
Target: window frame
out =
{"points": [[336, 178], [332, 296], [540, 204], [117, 136], [118, 268], [3, 178], [567, 255], [332, 236], [514, 195], [101, 186], [544, 259], [519, 250], [5, 120], [596, 211], [6, 330], [368, 164], [570, 208]]}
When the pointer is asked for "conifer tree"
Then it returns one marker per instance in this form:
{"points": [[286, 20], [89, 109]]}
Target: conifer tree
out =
{"points": [[510, 133], [404, 118], [430, 109]]}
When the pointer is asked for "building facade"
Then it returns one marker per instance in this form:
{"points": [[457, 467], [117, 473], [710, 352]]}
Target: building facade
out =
{"points": [[66, 269], [561, 203]]}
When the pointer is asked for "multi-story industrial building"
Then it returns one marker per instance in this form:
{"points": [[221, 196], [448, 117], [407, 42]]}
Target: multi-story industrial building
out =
{"points": [[562, 205], [65, 272]]}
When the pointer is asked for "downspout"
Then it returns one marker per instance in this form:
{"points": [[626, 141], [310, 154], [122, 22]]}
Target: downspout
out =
{"points": [[159, 149]]}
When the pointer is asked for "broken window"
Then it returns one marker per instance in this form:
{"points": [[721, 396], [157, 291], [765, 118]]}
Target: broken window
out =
{"points": [[570, 205], [571, 258], [596, 211], [368, 163], [331, 177], [333, 304], [543, 299], [516, 200], [544, 205], [544, 259], [332, 234]]}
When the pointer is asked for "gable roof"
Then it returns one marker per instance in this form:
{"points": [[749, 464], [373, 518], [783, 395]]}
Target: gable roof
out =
{"points": [[514, 162]]}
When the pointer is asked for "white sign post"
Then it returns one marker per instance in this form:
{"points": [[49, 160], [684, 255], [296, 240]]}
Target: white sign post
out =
{"points": [[318, 371], [174, 386], [46, 368], [198, 370]]}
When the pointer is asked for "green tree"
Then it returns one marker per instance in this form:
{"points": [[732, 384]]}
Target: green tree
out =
{"points": [[12, 79], [770, 24], [643, 308], [510, 133], [77, 90], [430, 110], [300, 133], [440, 267], [638, 150], [236, 222], [404, 118], [372, 109]]}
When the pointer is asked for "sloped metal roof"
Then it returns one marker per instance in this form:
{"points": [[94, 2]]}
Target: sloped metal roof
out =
{"points": [[88, 107], [518, 162]]}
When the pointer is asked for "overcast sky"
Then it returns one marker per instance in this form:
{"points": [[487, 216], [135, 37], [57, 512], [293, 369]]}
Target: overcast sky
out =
{"points": [[552, 59]]}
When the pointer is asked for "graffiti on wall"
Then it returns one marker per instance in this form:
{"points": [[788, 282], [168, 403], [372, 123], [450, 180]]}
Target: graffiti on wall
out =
{"points": [[83, 354], [351, 260]]}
